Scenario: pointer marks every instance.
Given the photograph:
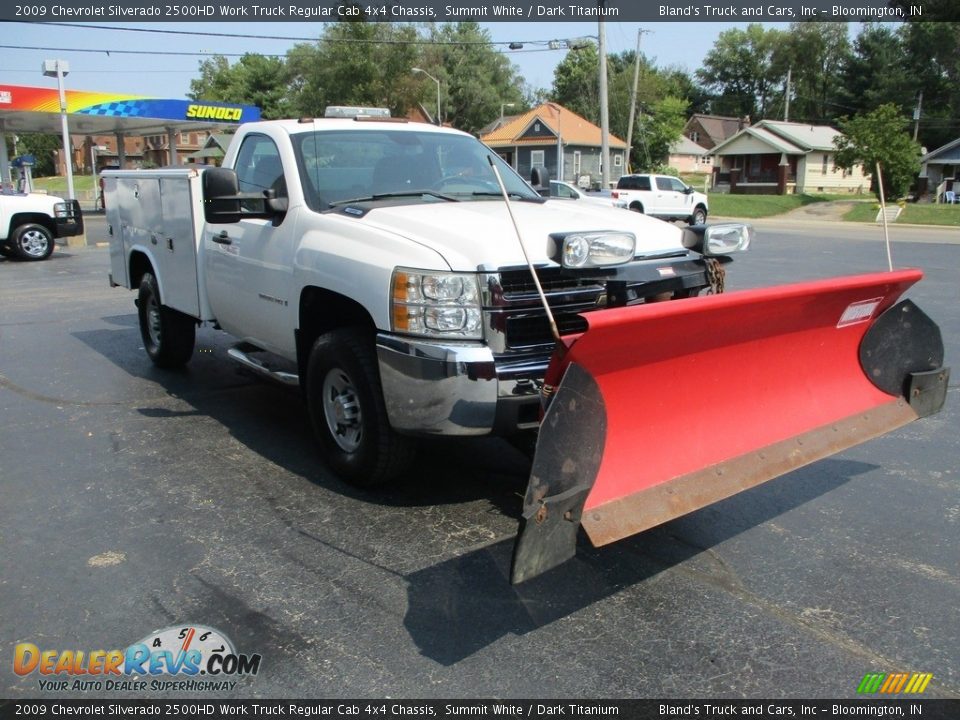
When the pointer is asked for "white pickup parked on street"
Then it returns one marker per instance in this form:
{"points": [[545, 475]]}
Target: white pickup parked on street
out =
{"points": [[30, 222], [373, 262], [662, 196]]}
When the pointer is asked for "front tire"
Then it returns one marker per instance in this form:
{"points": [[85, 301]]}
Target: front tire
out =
{"points": [[32, 242], [699, 216], [349, 418], [168, 336]]}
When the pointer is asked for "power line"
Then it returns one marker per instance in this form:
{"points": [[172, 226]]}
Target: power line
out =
{"points": [[361, 41]]}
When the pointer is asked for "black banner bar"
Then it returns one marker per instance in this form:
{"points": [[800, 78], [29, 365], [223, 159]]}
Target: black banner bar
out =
{"points": [[457, 10], [443, 709]]}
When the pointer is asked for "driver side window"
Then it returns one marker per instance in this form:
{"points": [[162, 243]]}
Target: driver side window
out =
{"points": [[259, 168]]}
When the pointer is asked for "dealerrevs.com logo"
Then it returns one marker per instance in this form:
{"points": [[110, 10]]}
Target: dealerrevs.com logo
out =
{"points": [[176, 658]]}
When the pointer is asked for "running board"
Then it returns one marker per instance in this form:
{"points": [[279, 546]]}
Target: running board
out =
{"points": [[240, 353]]}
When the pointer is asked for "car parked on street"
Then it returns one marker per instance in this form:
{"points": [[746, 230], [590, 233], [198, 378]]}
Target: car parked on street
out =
{"points": [[560, 189]]}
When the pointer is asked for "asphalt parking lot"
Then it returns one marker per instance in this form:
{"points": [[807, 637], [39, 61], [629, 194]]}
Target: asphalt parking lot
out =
{"points": [[135, 499]]}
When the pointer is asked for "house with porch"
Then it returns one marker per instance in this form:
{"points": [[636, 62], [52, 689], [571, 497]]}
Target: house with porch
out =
{"points": [[940, 171], [776, 157], [552, 137]]}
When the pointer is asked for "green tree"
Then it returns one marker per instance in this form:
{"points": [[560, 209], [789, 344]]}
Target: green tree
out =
{"points": [[816, 53], [576, 82], [252, 80], [475, 79], [880, 136], [356, 63], [42, 147], [658, 130], [741, 72], [875, 72]]}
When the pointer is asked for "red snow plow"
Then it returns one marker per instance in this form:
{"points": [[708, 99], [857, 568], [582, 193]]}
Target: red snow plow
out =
{"points": [[661, 409]]}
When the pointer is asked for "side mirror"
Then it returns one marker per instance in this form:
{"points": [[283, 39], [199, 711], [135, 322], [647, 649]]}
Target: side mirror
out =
{"points": [[220, 191], [688, 190], [222, 199]]}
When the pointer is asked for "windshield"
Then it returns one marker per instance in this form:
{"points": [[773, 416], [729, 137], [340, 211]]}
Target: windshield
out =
{"points": [[420, 166]]}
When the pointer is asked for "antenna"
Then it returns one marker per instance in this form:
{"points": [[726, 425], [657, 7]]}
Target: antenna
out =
{"points": [[533, 272]]}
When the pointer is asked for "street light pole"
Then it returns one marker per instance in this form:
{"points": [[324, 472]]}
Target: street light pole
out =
{"points": [[59, 69], [424, 72]]}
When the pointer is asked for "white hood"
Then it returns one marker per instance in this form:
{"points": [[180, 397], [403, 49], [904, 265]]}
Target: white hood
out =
{"points": [[472, 234]]}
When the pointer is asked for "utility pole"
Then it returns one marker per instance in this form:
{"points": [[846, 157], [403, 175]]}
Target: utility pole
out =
{"points": [[633, 100], [604, 107], [786, 107], [916, 116]]}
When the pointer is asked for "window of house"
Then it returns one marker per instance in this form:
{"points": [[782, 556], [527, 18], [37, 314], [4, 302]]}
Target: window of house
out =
{"points": [[618, 160], [576, 163], [536, 158], [695, 136], [826, 159]]}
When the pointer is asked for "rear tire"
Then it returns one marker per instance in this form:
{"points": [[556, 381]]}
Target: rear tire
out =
{"points": [[32, 242], [637, 207], [348, 414], [168, 336]]}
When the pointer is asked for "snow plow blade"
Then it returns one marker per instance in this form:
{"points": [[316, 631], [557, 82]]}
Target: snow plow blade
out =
{"points": [[668, 407]]}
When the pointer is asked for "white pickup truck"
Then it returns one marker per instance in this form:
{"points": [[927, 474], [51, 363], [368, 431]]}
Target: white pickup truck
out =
{"points": [[30, 222], [374, 263], [662, 196]]}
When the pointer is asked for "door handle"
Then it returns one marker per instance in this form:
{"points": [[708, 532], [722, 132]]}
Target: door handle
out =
{"points": [[222, 238]]}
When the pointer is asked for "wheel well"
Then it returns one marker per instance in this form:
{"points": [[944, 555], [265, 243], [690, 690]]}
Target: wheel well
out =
{"points": [[38, 218], [322, 311], [139, 264], [636, 205], [701, 206]]}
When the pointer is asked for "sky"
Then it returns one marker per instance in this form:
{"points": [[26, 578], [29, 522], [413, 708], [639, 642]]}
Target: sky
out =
{"points": [[680, 44]]}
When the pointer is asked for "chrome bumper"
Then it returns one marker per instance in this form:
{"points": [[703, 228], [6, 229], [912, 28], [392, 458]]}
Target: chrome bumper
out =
{"points": [[438, 388]]}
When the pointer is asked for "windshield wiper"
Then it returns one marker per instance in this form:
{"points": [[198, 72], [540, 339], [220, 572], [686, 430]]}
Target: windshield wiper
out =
{"points": [[512, 195], [385, 196]]}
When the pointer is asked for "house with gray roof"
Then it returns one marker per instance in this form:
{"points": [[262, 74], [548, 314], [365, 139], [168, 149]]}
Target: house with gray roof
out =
{"points": [[941, 170], [710, 130], [776, 157], [688, 157]]}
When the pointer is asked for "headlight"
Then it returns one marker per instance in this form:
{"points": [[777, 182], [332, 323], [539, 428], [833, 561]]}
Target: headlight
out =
{"points": [[720, 239], [436, 304], [727, 238], [62, 210], [593, 249]]}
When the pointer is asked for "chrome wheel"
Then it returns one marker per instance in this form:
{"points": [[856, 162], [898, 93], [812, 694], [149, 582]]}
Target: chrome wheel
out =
{"points": [[341, 409], [34, 243]]}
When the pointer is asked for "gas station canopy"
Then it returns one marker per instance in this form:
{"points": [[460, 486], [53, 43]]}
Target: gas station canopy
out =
{"points": [[33, 109]]}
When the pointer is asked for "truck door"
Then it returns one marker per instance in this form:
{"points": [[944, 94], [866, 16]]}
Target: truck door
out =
{"points": [[669, 201], [249, 264]]}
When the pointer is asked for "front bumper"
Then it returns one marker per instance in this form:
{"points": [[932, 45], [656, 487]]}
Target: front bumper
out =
{"points": [[447, 388], [69, 219]]}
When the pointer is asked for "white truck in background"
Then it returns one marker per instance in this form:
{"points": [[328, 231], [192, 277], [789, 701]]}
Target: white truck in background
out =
{"points": [[31, 222], [662, 196]]}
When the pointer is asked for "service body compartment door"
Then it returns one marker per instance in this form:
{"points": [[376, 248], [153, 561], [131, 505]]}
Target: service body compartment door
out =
{"points": [[118, 254], [177, 251]]}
